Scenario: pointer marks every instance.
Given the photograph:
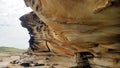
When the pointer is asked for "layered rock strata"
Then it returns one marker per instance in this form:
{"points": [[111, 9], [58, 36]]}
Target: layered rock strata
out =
{"points": [[78, 26], [38, 32], [40, 37]]}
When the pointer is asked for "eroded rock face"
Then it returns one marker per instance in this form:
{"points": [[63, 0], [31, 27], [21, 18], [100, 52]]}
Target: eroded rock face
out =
{"points": [[38, 32], [77, 26]]}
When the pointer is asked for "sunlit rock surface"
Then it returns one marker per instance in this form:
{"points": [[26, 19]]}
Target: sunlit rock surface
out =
{"points": [[40, 52], [76, 26]]}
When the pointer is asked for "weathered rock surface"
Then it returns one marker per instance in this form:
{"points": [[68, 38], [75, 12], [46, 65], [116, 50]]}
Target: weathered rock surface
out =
{"points": [[76, 26], [38, 32]]}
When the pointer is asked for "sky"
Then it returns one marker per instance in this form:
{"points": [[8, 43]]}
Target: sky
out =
{"points": [[12, 34]]}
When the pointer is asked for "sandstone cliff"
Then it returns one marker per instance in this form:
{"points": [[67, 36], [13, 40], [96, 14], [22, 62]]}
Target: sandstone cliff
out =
{"points": [[86, 28]]}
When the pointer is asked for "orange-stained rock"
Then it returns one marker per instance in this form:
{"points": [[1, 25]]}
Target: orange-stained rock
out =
{"points": [[82, 26]]}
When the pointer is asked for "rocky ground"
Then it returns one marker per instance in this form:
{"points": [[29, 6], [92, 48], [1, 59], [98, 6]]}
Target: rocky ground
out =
{"points": [[42, 60], [5, 60]]}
